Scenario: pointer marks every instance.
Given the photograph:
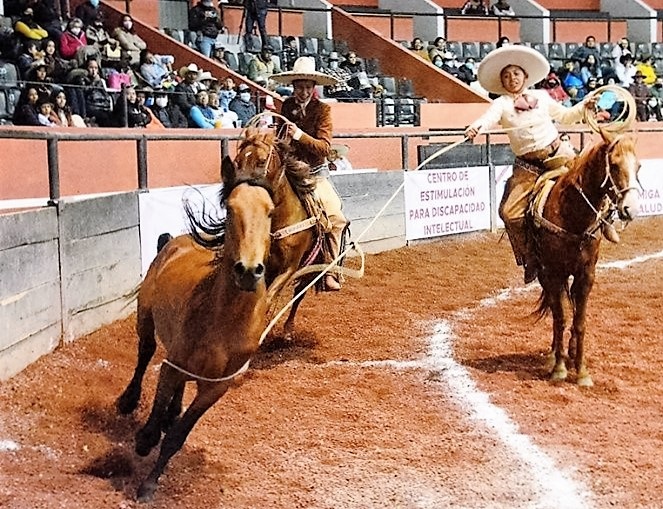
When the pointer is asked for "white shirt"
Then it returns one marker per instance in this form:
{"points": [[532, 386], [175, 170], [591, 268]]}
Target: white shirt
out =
{"points": [[535, 129]]}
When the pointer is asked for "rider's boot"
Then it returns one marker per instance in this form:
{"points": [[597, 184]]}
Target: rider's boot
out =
{"points": [[331, 283], [610, 233], [523, 249]]}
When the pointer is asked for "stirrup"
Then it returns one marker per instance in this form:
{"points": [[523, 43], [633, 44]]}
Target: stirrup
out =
{"points": [[610, 233]]}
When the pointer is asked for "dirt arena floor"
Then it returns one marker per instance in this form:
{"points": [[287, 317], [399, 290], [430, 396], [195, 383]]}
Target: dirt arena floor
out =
{"points": [[419, 386]]}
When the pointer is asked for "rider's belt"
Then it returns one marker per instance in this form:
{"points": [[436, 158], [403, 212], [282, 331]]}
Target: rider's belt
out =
{"points": [[322, 170], [536, 156]]}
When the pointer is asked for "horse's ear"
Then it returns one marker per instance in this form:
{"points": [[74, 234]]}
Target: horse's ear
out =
{"points": [[228, 171]]}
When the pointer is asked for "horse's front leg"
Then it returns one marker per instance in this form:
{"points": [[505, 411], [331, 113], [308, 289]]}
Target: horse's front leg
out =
{"points": [[580, 290], [556, 296], [206, 396]]}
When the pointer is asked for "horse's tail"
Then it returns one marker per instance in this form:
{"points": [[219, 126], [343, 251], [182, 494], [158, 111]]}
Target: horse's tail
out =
{"points": [[543, 308]]}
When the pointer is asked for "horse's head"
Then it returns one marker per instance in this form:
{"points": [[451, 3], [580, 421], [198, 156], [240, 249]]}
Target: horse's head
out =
{"points": [[621, 177], [257, 157], [249, 208]]}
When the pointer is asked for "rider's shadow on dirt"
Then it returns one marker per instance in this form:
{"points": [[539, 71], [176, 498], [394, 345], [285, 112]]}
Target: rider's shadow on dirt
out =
{"points": [[526, 366]]}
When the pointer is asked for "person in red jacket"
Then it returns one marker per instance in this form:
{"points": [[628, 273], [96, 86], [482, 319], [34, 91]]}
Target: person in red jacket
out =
{"points": [[72, 39]]}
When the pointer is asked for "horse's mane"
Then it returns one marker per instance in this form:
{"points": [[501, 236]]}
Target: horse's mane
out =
{"points": [[589, 154], [206, 227]]}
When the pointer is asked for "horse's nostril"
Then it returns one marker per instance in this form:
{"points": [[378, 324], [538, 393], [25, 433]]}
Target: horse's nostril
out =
{"points": [[260, 269], [239, 268]]}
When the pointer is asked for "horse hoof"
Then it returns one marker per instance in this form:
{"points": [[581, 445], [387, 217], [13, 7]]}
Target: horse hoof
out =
{"points": [[550, 362], [145, 442], [559, 375], [585, 381], [146, 492], [126, 403]]}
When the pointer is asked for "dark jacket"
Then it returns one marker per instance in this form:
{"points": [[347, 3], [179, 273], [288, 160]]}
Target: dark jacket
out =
{"points": [[245, 110], [205, 19], [171, 116]]}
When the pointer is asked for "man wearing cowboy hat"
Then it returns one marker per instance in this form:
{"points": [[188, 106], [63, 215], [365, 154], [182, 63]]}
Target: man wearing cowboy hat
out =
{"points": [[528, 116], [309, 127], [186, 90]]}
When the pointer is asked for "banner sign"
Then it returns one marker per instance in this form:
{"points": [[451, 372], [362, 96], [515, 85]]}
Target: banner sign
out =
{"points": [[651, 194]]}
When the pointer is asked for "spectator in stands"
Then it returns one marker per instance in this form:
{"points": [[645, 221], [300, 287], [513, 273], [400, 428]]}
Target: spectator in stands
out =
{"points": [[186, 90], [589, 68], [226, 93], [467, 71], [207, 22], [509, 72], [58, 67], [200, 114], [641, 94], [128, 112], [129, 40], [553, 86], [445, 63], [207, 81], [439, 48], [502, 41], [38, 78], [418, 48], [45, 108], [352, 64], [47, 16], [646, 67], [62, 114], [145, 99], [656, 99], [167, 112], [26, 108], [345, 86], [98, 36], [96, 103], [219, 54], [588, 48], [608, 105], [121, 75], [502, 8], [308, 128], [156, 70], [72, 39], [338, 158], [255, 14], [290, 53], [623, 47], [592, 84], [572, 81], [625, 70], [31, 53], [242, 105], [28, 28], [475, 8], [87, 11], [225, 119], [261, 67]]}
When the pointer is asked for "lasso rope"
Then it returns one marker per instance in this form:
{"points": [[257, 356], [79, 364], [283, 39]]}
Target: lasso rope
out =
{"points": [[626, 116]]}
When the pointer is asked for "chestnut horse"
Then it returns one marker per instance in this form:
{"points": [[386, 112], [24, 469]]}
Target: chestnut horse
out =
{"points": [[208, 309], [601, 180]]}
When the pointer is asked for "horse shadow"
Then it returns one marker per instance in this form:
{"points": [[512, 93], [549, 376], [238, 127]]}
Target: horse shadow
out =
{"points": [[278, 349], [525, 366]]}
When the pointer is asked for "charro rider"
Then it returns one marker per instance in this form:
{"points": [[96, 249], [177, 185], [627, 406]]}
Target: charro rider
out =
{"points": [[309, 128], [528, 116]]}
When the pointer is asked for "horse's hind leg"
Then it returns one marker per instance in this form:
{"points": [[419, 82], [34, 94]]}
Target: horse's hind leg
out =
{"points": [[174, 408], [289, 326], [559, 371], [580, 294], [207, 395], [147, 345], [150, 434]]}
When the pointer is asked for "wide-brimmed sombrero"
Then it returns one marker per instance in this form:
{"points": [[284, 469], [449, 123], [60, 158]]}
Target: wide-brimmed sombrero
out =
{"points": [[531, 61], [304, 69]]}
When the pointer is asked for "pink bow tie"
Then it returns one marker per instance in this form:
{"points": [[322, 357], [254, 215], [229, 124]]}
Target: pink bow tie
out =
{"points": [[525, 103]]}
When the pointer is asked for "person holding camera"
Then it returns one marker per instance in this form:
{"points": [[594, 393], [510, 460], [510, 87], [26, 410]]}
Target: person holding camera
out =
{"points": [[207, 22]]}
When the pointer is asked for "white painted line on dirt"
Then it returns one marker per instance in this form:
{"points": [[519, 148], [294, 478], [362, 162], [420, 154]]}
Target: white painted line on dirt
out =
{"points": [[622, 264], [8, 445]]}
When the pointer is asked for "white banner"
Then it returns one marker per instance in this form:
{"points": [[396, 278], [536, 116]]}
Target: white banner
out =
{"points": [[651, 194], [162, 211], [446, 201]]}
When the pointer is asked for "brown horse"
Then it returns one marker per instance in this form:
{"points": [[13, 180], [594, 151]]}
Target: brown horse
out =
{"points": [[601, 180], [208, 309], [297, 232]]}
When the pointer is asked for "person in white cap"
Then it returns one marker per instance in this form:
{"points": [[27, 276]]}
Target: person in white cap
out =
{"points": [[528, 116], [309, 127]]}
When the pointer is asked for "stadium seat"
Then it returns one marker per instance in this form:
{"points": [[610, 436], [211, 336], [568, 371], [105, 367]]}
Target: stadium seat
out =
{"points": [[341, 47], [556, 65], [4, 111], [456, 48], [372, 66], [658, 65], [485, 48], [571, 47], [642, 48], [541, 48], [8, 74], [405, 87], [244, 59], [13, 94], [308, 46], [470, 50], [657, 50], [389, 85], [252, 44], [556, 51], [276, 42], [605, 49], [325, 46]]}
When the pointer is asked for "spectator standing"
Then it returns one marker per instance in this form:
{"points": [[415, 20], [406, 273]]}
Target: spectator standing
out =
{"points": [[26, 109], [418, 48], [200, 114], [622, 48], [641, 94], [502, 8], [474, 8], [47, 16], [255, 14], [186, 90], [167, 112], [588, 48], [242, 105], [646, 67], [28, 28], [129, 40], [207, 22], [87, 11], [290, 53]]}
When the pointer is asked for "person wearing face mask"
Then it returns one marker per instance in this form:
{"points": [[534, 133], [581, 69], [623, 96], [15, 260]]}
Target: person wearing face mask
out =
{"points": [[28, 28], [308, 129], [98, 36], [87, 11], [466, 71], [167, 112], [346, 86], [72, 39], [129, 40], [242, 104]]}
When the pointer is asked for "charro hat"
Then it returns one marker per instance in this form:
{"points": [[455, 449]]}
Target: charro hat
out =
{"points": [[206, 75], [189, 68], [341, 150], [304, 69], [531, 61]]}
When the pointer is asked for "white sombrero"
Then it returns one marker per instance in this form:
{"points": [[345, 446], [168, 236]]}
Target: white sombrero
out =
{"points": [[531, 61], [304, 69]]}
